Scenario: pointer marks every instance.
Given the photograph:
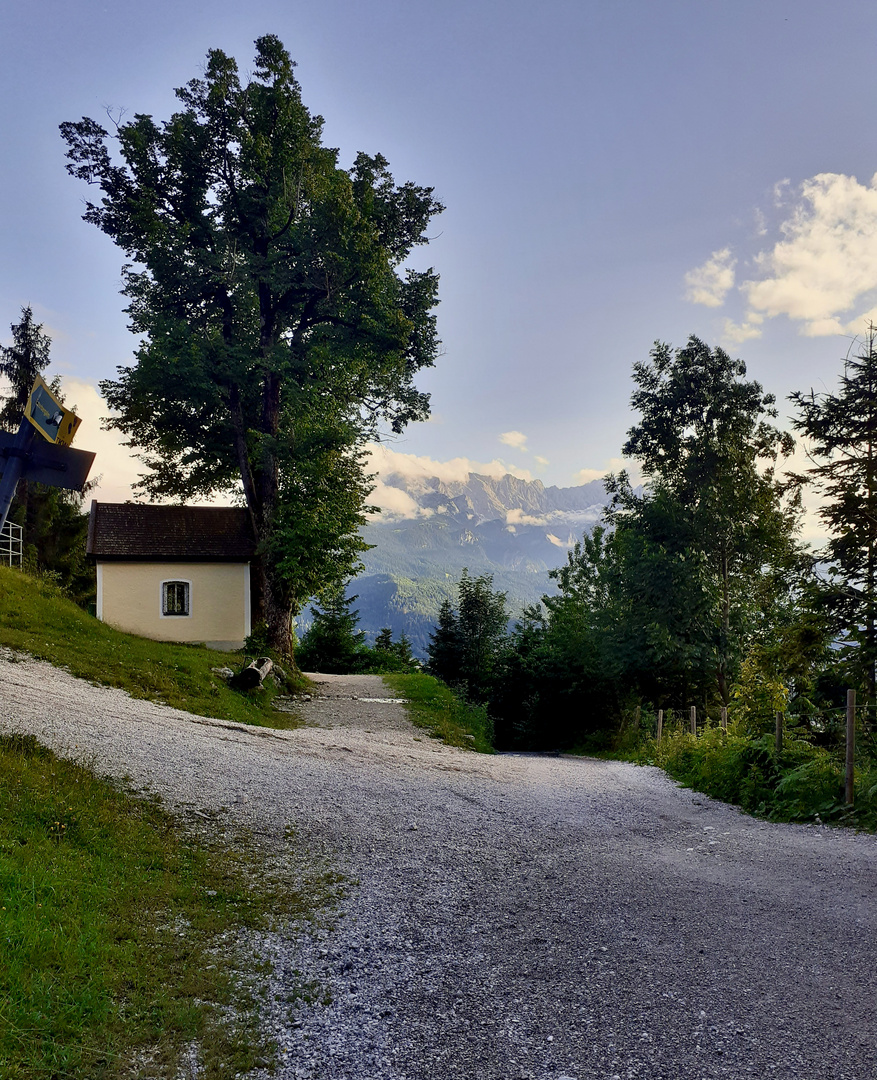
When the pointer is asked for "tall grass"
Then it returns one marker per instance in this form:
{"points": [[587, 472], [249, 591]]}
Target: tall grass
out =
{"points": [[803, 783]]}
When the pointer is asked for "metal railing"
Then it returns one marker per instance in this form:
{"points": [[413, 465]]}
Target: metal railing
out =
{"points": [[11, 544]]}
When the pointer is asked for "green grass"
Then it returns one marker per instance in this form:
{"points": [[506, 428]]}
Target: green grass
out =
{"points": [[123, 937], [36, 618], [432, 706]]}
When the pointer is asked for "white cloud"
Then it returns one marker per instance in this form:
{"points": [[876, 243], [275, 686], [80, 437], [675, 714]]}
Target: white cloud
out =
{"points": [[585, 476], [412, 467], [416, 471], [612, 465], [542, 460], [822, 270], [735, 333], [516, 439], [710, 284], [517, 516], [826, 261], [393, 501], [780, 190], [760, 223], [115, 464]]}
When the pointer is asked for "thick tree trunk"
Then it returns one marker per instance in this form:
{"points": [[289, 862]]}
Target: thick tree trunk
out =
{"points": [[276, 610]]}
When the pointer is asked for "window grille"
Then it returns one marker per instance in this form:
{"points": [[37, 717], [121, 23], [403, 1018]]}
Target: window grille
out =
{"points": [[175, 598], [11, 544]]}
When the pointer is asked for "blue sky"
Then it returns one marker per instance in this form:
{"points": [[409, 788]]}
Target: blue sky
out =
{"points": [[614, 171]]}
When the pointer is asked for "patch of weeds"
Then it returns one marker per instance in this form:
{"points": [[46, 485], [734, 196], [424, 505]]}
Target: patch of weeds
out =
{"points": [[441, 713], [126, 940]]}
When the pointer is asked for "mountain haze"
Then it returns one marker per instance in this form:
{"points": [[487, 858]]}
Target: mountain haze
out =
{"points": [[430, 529]]}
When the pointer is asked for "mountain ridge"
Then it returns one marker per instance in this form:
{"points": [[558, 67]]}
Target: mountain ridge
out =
{"points": [[514, 529]]}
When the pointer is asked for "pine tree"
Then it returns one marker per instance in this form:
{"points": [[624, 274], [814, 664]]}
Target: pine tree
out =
{"points": [[332, 644], [842, 433], [20, 363], [467, 642]]}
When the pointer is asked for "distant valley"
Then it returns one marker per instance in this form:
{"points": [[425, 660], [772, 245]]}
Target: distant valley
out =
{"points": [[514, 529]]}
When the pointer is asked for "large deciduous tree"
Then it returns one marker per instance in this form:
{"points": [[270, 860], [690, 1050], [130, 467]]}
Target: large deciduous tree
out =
{"points": [[715, 516], [278, 328], [841, 430]]}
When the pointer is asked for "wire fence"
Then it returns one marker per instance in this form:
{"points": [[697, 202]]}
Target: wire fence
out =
{"points": [[848, 732]]}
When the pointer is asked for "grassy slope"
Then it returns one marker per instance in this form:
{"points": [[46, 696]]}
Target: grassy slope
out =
{"points": [[432, 706], [36, 618], [121, 927], [125, 938]]}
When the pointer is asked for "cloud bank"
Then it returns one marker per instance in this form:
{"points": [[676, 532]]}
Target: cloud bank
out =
{"points": [[822, 271], [414, 471]]}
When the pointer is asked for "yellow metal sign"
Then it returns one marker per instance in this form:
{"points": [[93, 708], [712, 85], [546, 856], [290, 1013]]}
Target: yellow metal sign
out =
{"points": [[49, 416]]}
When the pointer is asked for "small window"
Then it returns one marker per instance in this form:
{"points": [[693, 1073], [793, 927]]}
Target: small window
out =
{"points": [[175, 598]]}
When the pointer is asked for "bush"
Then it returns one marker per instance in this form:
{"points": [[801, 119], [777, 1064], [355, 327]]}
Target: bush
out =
{"points": [[804, 783]]}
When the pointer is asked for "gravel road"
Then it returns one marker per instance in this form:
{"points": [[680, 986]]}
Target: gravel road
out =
{"points": [[514, 917]]}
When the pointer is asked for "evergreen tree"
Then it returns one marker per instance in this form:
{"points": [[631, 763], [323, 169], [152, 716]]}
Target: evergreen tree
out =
{"points": [[468, 640], [20, 363], [332, 644], [445, 648], [390, 655], [841, 429]]}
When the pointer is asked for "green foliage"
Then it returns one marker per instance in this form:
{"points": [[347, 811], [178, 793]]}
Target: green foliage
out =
{"points": [[125, 937], [54, 534], [551, 690], [758, 696], [37, 618], [20, 363], [806, 782], [683, 580], [389, 655], [278, 329], [715, 513], [442, 713], [842, 433], [332, 643], [469, 639]]}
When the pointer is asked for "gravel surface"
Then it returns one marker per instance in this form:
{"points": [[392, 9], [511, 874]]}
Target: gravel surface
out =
{"points": [[513, 917]]}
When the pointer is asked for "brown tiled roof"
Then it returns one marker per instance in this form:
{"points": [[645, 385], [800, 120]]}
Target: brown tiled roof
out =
{"points": [[131, 531]]}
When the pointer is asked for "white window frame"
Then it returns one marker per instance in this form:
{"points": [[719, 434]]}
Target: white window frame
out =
{"points": [[161, 593]]}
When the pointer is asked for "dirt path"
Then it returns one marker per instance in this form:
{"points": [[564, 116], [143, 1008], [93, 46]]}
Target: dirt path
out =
{"points": [[515, 917]]}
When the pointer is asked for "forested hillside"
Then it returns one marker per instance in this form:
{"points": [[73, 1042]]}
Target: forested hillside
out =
{"points": [[515, 530]]}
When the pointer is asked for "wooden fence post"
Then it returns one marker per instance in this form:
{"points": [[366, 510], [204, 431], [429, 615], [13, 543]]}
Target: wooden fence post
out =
{"points": [[660, 724], [849, 787], [779, 733], [724, 720], [693, 719]]}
